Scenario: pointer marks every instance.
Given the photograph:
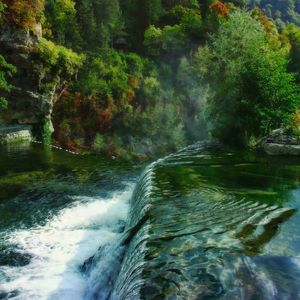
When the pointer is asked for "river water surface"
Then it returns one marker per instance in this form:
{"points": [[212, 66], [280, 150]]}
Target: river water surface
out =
{"points": [[204, 223]]}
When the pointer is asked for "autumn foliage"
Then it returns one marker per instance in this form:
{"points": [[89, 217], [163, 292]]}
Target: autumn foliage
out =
{"points": [[23, 13], [71, 110], [220, 8]]}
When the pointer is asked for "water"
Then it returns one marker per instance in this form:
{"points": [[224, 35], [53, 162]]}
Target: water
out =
{"points": [[204, 223], [218, 225], [56, 211]]}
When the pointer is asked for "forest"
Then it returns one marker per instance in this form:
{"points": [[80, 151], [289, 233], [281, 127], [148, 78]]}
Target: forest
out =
{"points": [[150, 76]]}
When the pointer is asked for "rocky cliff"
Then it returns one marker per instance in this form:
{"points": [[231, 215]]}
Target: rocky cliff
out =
{"points": [[31, 99]]}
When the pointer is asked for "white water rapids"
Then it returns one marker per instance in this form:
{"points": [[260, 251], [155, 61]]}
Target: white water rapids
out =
{"points": [[60, 247]]}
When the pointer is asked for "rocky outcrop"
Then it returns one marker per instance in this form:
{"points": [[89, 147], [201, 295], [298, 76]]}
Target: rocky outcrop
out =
{"points": [[31, 98], [281, 143]]}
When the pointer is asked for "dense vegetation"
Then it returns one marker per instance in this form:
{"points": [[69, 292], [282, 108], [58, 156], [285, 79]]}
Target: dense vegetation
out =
{"points": [[162, 73]]}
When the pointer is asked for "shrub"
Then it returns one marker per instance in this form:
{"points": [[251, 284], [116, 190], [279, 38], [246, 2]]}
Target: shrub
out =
{"points": [[294, 124]]}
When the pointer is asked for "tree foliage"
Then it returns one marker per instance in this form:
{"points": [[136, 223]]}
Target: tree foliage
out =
{"points": [[23, 13], [59, 57], [287, 11], [252, 89]]}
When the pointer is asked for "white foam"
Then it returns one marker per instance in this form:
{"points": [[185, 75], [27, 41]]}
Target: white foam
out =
{"points": [[61, 246]]}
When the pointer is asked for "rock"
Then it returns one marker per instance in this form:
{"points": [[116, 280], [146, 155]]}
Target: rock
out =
{"points": [[281, 149], [279, 142], [15, 133]]}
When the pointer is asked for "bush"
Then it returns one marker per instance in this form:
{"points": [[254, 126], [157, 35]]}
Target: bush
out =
{"points": [[294, 124]]}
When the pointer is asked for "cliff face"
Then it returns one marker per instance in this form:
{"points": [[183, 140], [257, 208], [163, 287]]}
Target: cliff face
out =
{"points": [[31, 98]]}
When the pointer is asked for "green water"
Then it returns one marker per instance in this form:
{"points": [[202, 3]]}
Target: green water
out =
{"points": [[37, 181]]}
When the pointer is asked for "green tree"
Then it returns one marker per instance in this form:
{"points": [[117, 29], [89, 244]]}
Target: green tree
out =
{"points": [[61, 18], [166, 40], [108, 20], [282, 11], [87, 24], [138, 15], [252, 92]]}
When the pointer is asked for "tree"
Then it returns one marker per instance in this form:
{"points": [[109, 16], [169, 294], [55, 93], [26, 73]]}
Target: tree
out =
{"points": [[87, 24], [282, 11], [168, 40], [252, 92], [108, 20], [138, 15], [61, 20]]}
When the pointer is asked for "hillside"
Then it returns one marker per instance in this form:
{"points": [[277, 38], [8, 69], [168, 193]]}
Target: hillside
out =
{"points": [[136, 78]]}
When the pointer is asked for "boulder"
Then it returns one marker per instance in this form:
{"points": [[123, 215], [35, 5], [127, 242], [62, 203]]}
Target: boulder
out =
{"points": [[281, 143]]}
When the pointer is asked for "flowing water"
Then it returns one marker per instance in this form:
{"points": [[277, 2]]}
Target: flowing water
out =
{"points": [[204, 223], [56, 211]]}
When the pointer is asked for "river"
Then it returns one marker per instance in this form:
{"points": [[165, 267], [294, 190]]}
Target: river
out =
{"points": [[204, 223]]}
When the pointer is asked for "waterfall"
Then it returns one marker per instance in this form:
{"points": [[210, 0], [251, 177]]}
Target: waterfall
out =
{"points": [[112, 273], [130, 281]]}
